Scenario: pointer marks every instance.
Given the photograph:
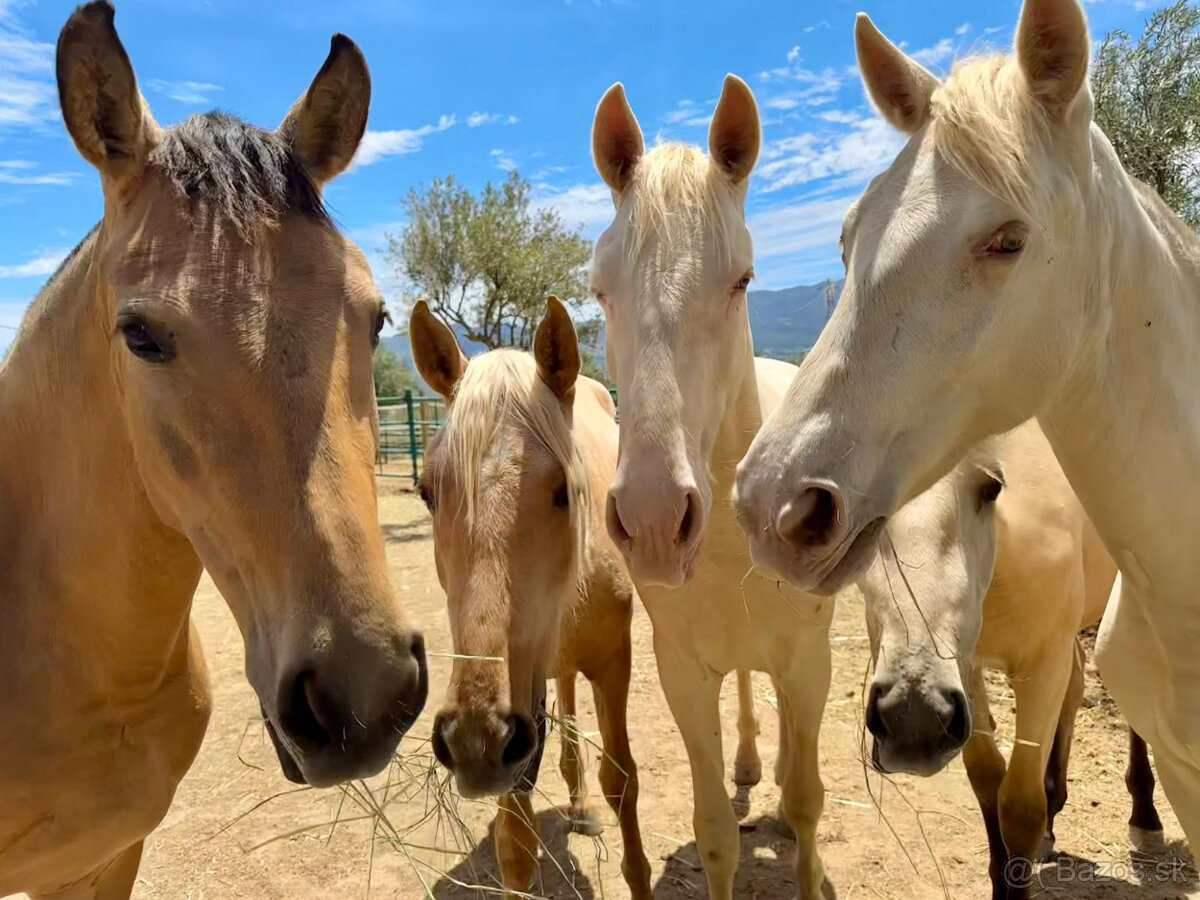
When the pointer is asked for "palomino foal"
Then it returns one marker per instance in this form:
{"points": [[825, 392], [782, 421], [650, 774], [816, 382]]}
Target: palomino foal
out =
{"points": [[192, 388], [938, 614], [515, 482], [671, 272], [1006, 267]]}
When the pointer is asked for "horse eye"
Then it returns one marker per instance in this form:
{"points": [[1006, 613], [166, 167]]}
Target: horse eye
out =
{"points": [[380, 320], [1007, 241], [743, 283], [426, 496], [561, 498], [989, 491], [141, 340]]}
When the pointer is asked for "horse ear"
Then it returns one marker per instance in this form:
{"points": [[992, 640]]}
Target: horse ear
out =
{"points": [[1052, 49], [435, 351], [617, 143], [899, 87], [326, 125], [556, 349], [735, 136], [102, 108]]}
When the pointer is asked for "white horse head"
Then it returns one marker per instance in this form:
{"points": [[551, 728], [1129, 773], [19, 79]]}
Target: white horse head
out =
{"points": [[971, 265], [671, 273]]}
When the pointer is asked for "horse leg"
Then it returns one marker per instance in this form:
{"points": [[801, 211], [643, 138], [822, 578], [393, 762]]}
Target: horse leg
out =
{"points": [[1145, 827], [1039, 691], [570, 761], [1158, 701], [517, 843], [747, 766], [985, 769], [802, 698], [112, 881], [1060, 750], [693, 692], [785, 734], [618, 771]]}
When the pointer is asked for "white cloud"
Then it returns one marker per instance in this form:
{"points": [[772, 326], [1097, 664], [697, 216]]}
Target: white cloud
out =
{"points": [[822, 24], [586, 205], [794, 228], [193, 93], [20, 171], [377, 145], [793, 54], [962, 29], [816, 87], [852, 153], [39, 266], [503, 160], [840, 116], [28, 98], [475, 119], [939, 53]]}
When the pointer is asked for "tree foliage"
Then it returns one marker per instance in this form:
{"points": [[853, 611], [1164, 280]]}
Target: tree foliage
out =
{"points": [[486, 263], [1147, 100], [392, 377]]}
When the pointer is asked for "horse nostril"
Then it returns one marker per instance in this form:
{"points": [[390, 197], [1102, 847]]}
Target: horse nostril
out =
{"points": [[812, 519], [616, 528], [522, 740], [298, 712], [959, 728], [441, 749], [689, 525], [875, 723]]}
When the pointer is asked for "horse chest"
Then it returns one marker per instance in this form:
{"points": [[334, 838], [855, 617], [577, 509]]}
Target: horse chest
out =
{"points": [[739, 623], [72, 799]]}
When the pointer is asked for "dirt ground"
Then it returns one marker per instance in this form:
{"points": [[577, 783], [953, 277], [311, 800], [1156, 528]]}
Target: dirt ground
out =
{"points": [[237, 829]]}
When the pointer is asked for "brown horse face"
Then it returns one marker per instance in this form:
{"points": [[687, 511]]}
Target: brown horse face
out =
{"points": [[510, 503], [243, 327]]}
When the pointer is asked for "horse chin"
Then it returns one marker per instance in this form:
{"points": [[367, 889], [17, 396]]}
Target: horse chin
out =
{"points": [[291, 770], [854, 561], [890, 764]]}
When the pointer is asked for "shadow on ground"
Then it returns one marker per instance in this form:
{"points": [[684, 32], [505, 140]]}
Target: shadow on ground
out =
{"points": [[560, 874], [406, 532], [1165, 877], [764, 867]]}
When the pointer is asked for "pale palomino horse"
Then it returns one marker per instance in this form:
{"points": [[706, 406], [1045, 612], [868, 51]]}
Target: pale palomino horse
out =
{"points": [[515, 482], [671, 273], [938, 613], [192, 389], [1007, 267]]}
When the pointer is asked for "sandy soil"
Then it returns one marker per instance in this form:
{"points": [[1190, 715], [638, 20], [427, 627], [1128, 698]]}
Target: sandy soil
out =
{"points": [[237, 829]]}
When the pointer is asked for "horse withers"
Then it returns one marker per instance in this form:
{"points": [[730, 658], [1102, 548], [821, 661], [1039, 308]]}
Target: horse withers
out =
{"points": [[996, 565], [192, 389], [515, 482]]}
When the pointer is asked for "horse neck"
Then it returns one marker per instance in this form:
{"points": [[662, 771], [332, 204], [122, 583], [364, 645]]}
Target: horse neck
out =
{"points": [[743, 414], [1126, 425], [89, 570]]}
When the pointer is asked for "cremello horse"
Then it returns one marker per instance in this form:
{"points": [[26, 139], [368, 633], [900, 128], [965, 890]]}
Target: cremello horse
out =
{"points": [[671, 272], [937, 615], [192, 388], [1006, 267], [515, 482]]}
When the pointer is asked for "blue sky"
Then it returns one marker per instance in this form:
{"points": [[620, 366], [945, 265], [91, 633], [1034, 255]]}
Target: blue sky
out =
{"points": [[476, 87]]}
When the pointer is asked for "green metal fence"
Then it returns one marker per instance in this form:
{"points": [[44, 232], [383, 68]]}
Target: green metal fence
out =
{"points": [[406, 426]]}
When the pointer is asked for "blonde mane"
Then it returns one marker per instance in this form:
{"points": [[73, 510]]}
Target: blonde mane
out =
{"points": [[677, 192], [988, 125], [501, 389]]}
